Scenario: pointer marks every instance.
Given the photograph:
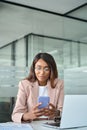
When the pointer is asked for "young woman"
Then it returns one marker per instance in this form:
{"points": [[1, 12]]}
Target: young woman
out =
{"points": [[42, 81]]}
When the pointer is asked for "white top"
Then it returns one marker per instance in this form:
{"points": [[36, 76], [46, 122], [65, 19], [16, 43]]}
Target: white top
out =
{"points": [[43, 91]]}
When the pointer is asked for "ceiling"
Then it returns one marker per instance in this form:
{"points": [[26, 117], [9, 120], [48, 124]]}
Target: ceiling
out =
{"points": [[15, 17], [59, 6]]}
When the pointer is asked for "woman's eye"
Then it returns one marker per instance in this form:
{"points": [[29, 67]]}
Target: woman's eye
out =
{"points": [[38, 68], [46, 69]]}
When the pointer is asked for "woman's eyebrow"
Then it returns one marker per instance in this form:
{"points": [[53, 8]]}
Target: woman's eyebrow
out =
{"points": [[42, 66], [46, 66], [38, 66]]}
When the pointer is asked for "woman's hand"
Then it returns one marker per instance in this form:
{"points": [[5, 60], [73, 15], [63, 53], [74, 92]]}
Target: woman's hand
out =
{"points": [[34, 113], [50, 111]]}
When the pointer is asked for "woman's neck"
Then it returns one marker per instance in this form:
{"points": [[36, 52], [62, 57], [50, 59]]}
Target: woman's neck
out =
{"points": [[42, 83]]}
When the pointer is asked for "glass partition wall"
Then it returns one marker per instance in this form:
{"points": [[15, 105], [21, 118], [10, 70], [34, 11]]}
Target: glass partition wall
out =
{"points": [[70, 56], [62, 37]]}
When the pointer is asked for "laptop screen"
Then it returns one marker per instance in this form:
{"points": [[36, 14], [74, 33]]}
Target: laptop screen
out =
{"points": [[74, 111]]}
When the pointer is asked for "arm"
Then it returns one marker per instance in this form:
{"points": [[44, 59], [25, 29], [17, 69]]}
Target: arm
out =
{"points": [[60, 97], [20, 106], [21, 112]]}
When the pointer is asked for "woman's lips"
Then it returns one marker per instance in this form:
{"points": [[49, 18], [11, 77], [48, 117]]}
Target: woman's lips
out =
{"points": [[41, 77]]}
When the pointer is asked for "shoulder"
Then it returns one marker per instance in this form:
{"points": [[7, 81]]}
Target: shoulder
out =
{"points": [[25, 84], [59, 82]]}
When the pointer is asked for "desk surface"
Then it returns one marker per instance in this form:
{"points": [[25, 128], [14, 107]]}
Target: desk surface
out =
{"points": [[37, 125]]}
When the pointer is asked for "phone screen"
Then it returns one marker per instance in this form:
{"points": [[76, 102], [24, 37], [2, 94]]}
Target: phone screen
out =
{"points": [[44, 100]]}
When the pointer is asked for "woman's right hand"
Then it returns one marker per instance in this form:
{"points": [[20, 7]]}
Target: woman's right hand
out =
{"points": [[33, 114]]}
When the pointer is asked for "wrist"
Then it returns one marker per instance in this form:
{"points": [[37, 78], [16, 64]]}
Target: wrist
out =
{"points": [[25, 118], [57, 112], [57, 116]]}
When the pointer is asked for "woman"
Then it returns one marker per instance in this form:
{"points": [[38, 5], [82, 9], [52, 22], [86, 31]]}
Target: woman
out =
{"points": [[43, 74]]}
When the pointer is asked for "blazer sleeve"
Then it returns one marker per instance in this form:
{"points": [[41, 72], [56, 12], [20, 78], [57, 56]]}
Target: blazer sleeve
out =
{"points": [[60, 96], [21, 103]]}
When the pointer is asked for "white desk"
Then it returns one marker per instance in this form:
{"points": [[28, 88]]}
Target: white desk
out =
{"points": [[37, 125]]}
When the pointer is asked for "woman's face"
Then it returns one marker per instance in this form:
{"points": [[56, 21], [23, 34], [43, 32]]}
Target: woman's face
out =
{"points": [[42, 72]]}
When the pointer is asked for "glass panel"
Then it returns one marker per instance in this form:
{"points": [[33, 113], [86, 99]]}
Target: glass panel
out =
{"points": [[83, 54], [20, 53], [75, 80], [5, 56]]}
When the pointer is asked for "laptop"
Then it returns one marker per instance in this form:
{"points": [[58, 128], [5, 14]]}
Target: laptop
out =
{"points": [[74, 113]]}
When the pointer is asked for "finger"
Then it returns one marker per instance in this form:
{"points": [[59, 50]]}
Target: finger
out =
{"points": [[51, 105], [39, 113], [36, 106], [49, 112]]}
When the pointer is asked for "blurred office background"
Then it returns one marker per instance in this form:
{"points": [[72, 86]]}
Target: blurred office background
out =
{"points": [[27, 27]]}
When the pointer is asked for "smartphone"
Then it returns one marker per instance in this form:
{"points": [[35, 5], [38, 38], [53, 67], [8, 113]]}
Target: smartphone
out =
{"points": [[44, 100]]}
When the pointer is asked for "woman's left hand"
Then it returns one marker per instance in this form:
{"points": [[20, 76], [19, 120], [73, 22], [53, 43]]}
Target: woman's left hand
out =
{"points": [[50, 111]]}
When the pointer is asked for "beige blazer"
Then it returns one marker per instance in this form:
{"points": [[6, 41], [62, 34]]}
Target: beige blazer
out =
{"points": [[28, 94]]}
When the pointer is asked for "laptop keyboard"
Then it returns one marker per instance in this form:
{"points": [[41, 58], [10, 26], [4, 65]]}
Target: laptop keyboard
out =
{"points": [[53, 123]]}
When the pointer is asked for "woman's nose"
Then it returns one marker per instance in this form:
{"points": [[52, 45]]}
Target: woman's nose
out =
{"points": [[42, 71]]}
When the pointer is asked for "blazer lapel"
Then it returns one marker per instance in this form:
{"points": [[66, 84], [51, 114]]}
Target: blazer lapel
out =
{"points": [[35, 92], [51, 92]]}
